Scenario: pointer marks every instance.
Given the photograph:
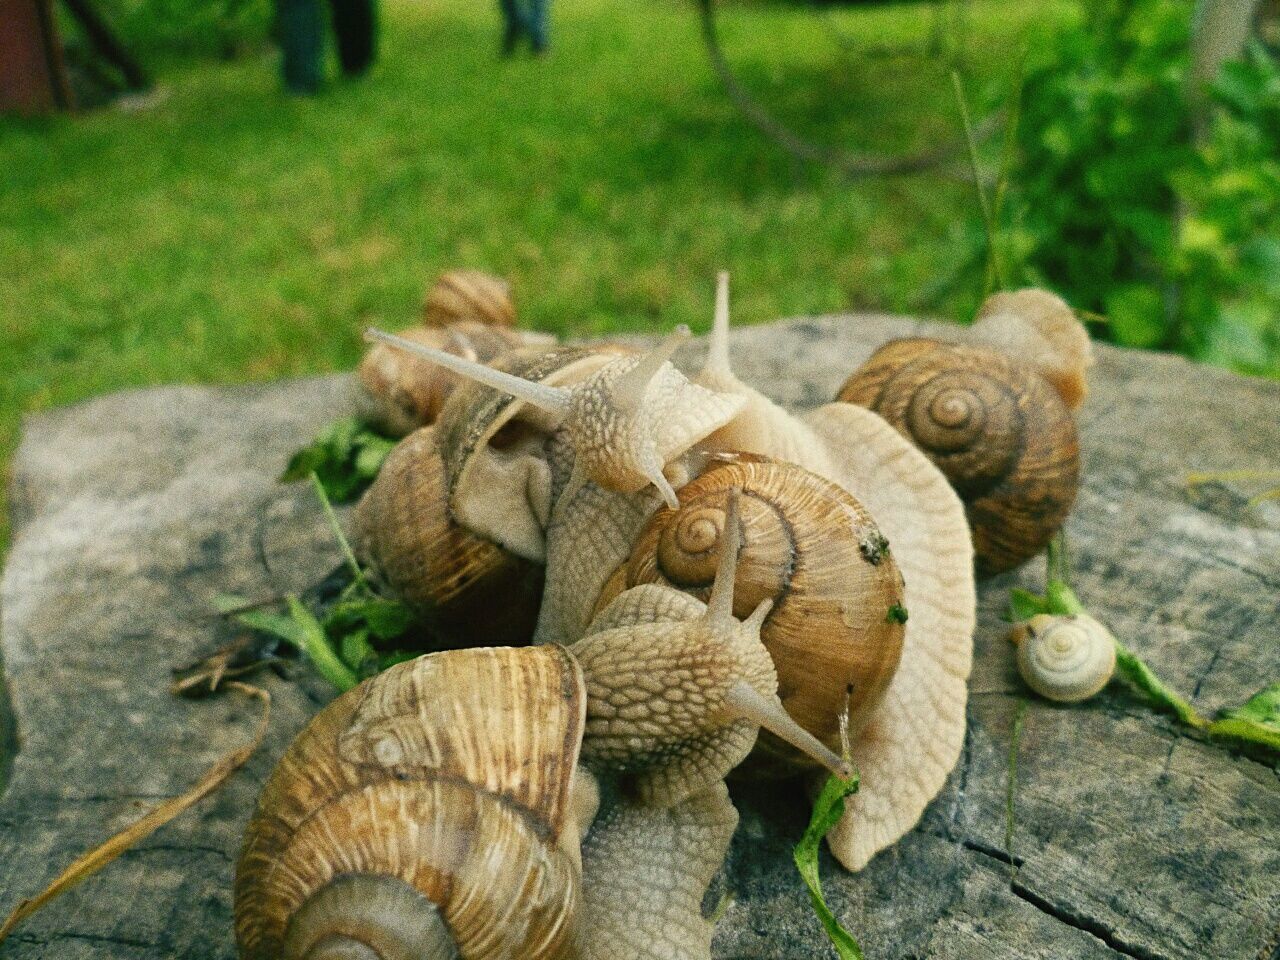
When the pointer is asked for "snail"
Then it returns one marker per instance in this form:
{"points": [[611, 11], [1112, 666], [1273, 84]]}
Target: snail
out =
{"points": [[815, 554], [437, 810], [696, 660], [625, 421], [401, 392], [911, 740], [406, 538], [418, 815], [494, 447], [999, 431], [1042, 331], [469, 295], [1065, 658]]}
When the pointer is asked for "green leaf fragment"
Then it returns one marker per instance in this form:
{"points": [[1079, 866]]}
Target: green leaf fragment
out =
{"points": [[345, 458], [275, 625], [897, 614], [383, 619], [1135, 672], [827, 811], [355, 649], [315, 644], [1023, 605], [1256, 720]]}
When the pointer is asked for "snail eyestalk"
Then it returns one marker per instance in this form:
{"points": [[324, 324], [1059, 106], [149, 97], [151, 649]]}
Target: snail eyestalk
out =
{"points": [[717, 366], [628, 392], [552, 399], [720, 606], [654, 471], [747, 702]]}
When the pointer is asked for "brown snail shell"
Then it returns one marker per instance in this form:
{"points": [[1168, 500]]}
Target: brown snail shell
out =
{"points": [[1039, 330], [813, 550], [404, 392], [427, 813], [468, 590], [469, 295], [1002, 436]]}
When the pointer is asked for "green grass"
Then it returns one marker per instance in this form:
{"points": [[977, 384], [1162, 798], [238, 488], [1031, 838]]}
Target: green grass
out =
{"points": [[231, 233]]}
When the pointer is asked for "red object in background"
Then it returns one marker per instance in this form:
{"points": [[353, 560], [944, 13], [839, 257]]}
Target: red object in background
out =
{"points": [[33, 78]]}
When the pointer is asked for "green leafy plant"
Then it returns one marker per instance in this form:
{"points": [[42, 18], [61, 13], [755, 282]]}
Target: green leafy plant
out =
{"points": [[345, 458], [358, 635], [827, 811], [1169, 238]]}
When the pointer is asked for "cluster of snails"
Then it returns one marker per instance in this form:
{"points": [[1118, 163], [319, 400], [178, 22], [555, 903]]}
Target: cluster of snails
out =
{"points": [[709, 584]]}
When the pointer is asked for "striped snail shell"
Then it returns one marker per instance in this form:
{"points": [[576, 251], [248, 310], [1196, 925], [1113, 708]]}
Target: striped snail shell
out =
{"points": [[1065, 658], [429, 813], [466, 589], [1002, 436], [812, 550], [469, 295]]}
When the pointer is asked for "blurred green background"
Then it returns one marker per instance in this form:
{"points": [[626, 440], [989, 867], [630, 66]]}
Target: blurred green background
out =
{"points": [[218, 230]]}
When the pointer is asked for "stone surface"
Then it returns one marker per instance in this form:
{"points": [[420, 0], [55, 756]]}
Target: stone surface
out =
{"points": [[1129, 837]]}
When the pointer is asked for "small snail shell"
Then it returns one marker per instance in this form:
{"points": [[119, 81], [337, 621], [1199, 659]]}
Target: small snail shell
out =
{"points": [[1038, 329], [467, 589], [1065, 658], [428, 813], [1000, 433], [403, 392], [812, 551], [469, 295], [625, 422]]}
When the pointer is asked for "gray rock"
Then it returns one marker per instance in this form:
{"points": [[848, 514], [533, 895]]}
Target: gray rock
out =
{"points": [[1129, 837]]}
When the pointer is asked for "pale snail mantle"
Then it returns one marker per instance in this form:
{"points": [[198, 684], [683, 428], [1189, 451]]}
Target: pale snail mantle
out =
{"points": [[119, 548]]}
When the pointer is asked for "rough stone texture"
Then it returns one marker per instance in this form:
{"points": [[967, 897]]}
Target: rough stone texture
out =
{"points": [[1131, 838]]}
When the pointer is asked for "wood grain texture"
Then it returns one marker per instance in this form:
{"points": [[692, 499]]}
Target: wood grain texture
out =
{"points": [[1131, 838]]}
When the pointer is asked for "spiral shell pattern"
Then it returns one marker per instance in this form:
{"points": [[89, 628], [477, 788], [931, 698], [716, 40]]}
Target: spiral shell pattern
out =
{"points": [[813, 550], [999, 432], [1066, 658], [434, 800]]}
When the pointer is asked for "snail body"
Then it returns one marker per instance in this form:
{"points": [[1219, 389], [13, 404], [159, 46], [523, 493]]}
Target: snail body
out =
{"points": [[998, 431], [401, 392], [497, 477], [1065, 658], [625, 421]]}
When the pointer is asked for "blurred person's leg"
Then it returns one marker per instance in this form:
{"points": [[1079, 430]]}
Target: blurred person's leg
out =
{"points": [[539, 28], [355, 23], [514, 24], [301, 28]]}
